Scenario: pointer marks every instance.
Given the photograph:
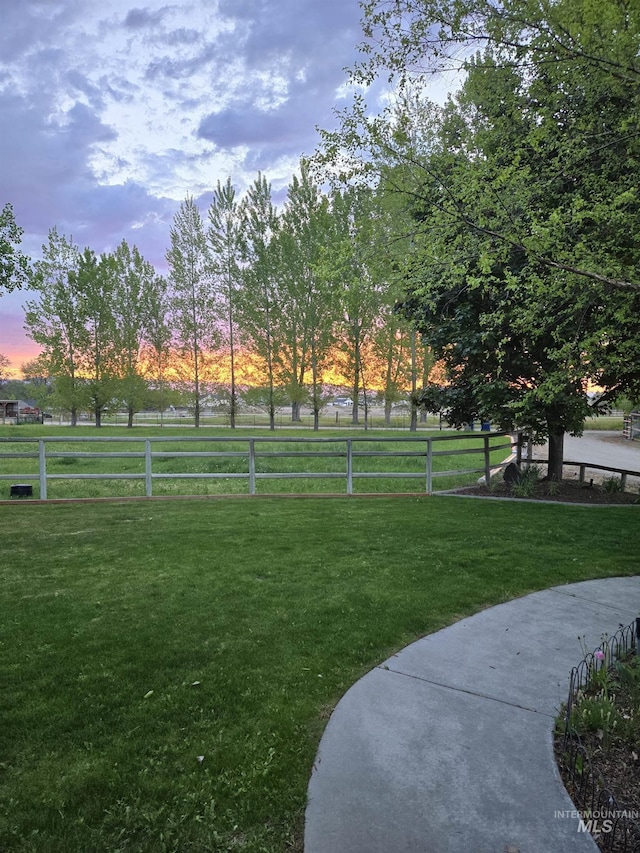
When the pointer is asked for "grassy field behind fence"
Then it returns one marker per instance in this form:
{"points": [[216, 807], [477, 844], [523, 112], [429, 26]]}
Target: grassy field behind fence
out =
{"points": [[168, 668], [235, 465]]}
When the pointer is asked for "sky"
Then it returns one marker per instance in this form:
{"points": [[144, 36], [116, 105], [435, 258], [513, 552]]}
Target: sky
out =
{"points": [[111, 113]]}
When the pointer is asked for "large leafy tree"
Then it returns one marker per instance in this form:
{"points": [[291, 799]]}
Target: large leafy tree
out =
{"points": [[578, 62], [530, 293], [525, 269], [14, 265]]}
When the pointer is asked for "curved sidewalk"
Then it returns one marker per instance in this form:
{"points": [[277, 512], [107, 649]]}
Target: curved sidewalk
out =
{"points": [[447, 746]]}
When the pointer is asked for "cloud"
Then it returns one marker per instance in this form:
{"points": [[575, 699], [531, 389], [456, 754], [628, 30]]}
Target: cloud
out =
{"points": [[112, 112], [137, 19]]}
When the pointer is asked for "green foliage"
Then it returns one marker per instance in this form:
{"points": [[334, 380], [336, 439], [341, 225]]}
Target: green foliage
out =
{"points": [[524, 276], [263, 398], [194, 308], [527, 482], [596, 713], [610, 702], [612, 484], [57, 320], [224, 240], [14, 265]]}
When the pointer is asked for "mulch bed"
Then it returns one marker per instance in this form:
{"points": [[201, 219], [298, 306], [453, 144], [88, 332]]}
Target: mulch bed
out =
{"points": [[564, 491]]}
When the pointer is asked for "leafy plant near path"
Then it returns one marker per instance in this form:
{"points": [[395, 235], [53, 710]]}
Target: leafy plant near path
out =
{"points": [[598, 748]]}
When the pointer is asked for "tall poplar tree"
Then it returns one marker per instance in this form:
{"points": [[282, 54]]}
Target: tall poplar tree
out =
{"points": [[134, 283], [362, 290], [311, 299], [158, 335], [224, 239], [56, 320], [258, 307], [194, 309], [94, 281]]}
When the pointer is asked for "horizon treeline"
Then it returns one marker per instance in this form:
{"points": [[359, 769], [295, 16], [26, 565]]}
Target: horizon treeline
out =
{"points": [[288, 300]]}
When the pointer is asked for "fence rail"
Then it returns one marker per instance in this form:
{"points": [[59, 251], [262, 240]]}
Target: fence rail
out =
{"points": [[583, 467], [254, 450]]}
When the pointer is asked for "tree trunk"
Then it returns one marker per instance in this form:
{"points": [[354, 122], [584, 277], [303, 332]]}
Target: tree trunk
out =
{"points": [[234, 404], [387, 412], [556, 456], [295, 411], [413, 425], [356, 383], [130, 419]]}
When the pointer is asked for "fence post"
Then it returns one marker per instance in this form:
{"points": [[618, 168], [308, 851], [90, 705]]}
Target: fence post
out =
{"points": [[42, 464], [252, 467], [519, 442], [349, 467], [429, 465], [147, 469], [487, 461]]}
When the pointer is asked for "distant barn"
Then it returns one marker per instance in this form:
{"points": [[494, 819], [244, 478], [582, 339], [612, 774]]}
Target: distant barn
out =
{"points": [[20, 412]]}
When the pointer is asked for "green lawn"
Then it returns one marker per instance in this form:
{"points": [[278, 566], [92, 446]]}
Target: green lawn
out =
{"points": [[168, 666]]}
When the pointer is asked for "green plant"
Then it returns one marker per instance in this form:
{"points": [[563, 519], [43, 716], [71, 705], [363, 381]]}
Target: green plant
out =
{"points": [[596, 713], [526, 485], [612, 485], [628, 673]]}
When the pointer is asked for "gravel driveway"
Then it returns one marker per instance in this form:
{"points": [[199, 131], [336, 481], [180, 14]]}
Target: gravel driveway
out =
{"points": [[600, 448]]}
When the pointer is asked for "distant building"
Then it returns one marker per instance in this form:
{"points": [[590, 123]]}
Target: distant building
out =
{"points": [[20, 411], [632, 426]]}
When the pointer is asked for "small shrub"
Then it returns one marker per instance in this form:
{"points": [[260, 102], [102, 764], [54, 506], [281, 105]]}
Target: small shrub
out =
{"points": [[596, 713], [526, 485], [612, 485]]}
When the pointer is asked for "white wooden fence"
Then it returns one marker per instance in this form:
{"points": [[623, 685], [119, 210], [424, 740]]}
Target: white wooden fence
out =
{"points": [[257, 448]]}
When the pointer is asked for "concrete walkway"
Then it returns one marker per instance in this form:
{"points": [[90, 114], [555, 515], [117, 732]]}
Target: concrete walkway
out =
{"points": [[447, 746]]}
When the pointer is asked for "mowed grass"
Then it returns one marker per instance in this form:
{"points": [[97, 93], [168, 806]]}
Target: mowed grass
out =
{"points": [[168, 666], [309, 454]]}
